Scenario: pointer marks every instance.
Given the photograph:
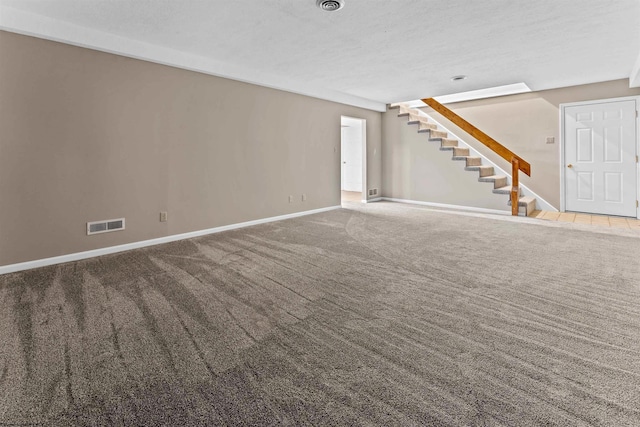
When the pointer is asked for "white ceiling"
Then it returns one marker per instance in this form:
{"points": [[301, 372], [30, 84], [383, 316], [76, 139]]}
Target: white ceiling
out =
{"points": [[370, 53]]}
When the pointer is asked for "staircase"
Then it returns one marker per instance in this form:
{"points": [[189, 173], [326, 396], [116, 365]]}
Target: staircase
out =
{"points": [[486, 173]]}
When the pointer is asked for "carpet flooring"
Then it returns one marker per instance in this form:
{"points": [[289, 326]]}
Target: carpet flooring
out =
{"points": [[376, 314]]}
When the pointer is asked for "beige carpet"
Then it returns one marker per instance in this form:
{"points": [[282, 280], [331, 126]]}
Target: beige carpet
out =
{"points": [[383, 314]]}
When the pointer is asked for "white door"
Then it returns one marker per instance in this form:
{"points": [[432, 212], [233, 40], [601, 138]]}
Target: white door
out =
{"points": [[352, 157], [600, 158]]}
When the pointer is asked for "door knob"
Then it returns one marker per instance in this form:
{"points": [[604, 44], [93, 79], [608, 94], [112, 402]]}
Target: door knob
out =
{"points": [[570, 166]]}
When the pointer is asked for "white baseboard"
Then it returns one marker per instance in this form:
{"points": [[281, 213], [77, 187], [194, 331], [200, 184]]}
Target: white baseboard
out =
{"points": [[446, 206], [377, 199], [12, 268]]}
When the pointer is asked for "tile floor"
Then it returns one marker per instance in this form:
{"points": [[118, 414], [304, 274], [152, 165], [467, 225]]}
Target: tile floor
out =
{"points": [[600, 220], [351, 196]]}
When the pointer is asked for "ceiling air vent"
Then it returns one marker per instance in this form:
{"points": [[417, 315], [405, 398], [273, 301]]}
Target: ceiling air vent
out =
{"points": [[330, 5], [105, 226]]}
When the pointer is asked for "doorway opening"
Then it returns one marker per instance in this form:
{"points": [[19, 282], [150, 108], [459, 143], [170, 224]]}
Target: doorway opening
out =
{"points": [[353, 161]]}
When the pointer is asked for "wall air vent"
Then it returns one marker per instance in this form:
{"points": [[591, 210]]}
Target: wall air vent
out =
{"points": [[96, 227]]}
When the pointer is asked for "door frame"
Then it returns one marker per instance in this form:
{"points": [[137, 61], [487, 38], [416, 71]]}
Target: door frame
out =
{"points": [[363, 127], [562, 144]]}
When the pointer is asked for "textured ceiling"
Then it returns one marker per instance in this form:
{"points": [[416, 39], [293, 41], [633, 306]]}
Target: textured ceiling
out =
{"points": [[370, 53]]}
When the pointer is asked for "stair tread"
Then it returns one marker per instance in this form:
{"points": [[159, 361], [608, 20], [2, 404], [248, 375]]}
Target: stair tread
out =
{"points": [[442, 139], [529, 204], [503, 190], [406, 112], [440, 134], [478, 167], [475, 161], [492, 177], [523, 200], [409, 114]]}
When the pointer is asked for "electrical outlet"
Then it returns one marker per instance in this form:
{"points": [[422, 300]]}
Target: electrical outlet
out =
{"points": [[304, 197], [290, 199], [163, 216]]}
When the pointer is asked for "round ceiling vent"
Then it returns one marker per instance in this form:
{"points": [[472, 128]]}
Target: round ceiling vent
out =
{"points": [[330, 5]]}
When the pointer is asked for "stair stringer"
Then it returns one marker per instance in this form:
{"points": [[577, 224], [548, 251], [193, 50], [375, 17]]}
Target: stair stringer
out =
{"points": [[541, 204]]}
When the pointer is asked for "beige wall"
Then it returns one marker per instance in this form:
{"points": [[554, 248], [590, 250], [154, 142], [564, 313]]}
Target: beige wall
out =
{"points": [[86, 135], [522, 123]]}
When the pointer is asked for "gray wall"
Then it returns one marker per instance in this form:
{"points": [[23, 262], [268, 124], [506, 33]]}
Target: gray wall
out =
{"points": [[86, 135], [520, 122]]}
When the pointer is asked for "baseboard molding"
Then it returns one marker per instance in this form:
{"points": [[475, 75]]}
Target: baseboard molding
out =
{"points": [[377, 199], [446, 206], [12, 268]]}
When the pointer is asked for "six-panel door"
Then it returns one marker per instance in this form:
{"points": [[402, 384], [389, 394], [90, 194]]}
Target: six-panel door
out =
{"points": [[600, 158]]}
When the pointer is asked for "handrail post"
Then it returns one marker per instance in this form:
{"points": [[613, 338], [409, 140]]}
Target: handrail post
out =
{"points": [[515, 190]]}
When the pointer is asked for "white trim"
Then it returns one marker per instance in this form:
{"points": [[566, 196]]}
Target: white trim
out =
{"points": [[490, 92], [563, 200], [541, 203], [12, 268], [363, 137], [600, 101], [444, 205], [30, 24], [561, 157], [377, 199], [634, 77], [365, 157]]}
